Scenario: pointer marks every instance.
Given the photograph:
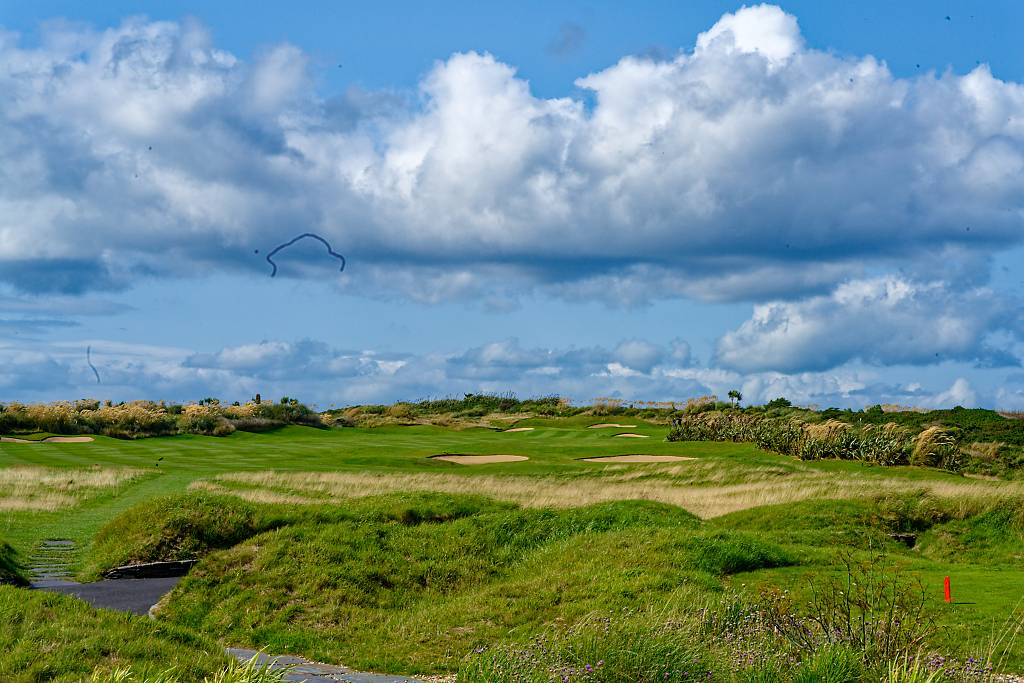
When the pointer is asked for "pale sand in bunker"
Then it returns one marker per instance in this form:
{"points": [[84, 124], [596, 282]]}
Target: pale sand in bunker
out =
{"points": [[519, 429], [606, 425], [478, 459], [51, 439], [631, 436], [638, 458]]}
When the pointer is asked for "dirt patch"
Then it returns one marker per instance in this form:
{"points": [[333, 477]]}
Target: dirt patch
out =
{"points": [[478, 459], [605, 425], [520, 429], [638, 458], [630, 435], [11, 439]]}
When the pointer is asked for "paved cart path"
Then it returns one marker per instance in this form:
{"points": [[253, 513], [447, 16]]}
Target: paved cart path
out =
{"points": [[304, 670], [123, 595]]}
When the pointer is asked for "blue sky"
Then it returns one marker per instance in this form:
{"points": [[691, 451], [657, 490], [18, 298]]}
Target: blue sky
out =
{"points": [[659, 200]]}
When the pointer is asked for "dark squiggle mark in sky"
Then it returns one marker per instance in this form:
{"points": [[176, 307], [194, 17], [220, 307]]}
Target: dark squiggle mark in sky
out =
{"points": [[305, 234], [88, 359]]}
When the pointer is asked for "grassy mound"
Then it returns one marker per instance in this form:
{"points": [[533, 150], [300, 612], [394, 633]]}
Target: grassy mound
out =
{"points": [[818, 523], [992, 537], [190, 525], [10, 569], [178, 527], [51, 637], [382, 595]]}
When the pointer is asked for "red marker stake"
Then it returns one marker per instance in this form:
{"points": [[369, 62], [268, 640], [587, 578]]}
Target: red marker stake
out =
{"points": [[948, 594]]}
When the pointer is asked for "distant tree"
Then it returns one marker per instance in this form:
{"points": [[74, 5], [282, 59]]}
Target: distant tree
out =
{"points": [[779, 402], [735, 396]]}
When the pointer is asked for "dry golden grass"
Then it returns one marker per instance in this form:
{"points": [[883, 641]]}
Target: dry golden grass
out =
{"points": [[985, 450], [48, 488], [703, 500], [824, 431]]}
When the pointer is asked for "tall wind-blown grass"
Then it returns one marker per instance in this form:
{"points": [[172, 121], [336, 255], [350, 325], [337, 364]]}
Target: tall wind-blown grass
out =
{"points": [[886, 444], [140, 419]]}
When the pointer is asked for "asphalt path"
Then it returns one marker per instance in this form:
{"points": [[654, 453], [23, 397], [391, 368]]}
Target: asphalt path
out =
{"points": [[299, 669], [124, 595]]}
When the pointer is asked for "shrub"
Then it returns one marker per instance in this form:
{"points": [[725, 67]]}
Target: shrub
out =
{"points": [[878, 614], [204, 419], [131, 420], [288, 411], [256, 424], [936, 447], [401, 411], [778, 403], [881, 444]]}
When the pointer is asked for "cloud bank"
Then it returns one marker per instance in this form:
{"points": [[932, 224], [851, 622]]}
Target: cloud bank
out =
{"points": [[749, 167], [317, 372], [884, 321]]}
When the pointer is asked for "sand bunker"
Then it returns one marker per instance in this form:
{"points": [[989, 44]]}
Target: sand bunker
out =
{"points": [[51, 439], [479, 459], [638, 458], [520, 429], [630, 435], [605, 425]]}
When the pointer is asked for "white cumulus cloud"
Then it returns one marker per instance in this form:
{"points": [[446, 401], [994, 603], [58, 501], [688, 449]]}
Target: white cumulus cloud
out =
{"points": [[750, 167], [886, 321]]}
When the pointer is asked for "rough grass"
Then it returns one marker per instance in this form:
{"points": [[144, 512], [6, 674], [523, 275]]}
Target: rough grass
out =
{"points": [[50, 488], [380, 584], [666, 485], [388, 595], [11, 571], [173, 528], [51, 637], [188, 526]]}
